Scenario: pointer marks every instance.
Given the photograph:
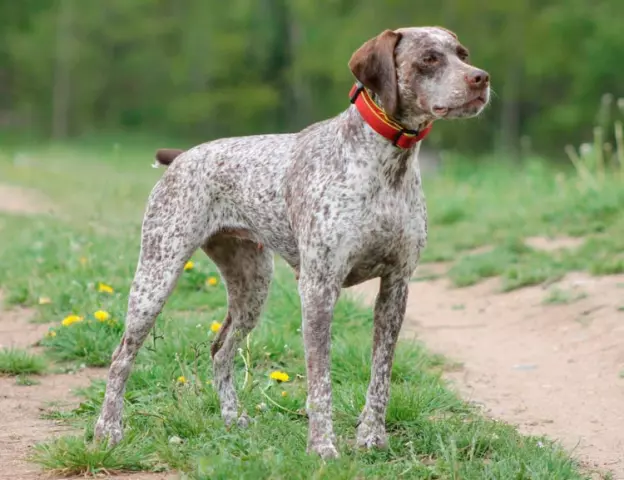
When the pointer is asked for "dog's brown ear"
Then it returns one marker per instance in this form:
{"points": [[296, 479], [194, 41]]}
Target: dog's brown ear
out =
{"points": [[374, 66]]}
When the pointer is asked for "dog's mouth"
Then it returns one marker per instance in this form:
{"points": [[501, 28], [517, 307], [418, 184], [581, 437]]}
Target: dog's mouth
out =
{"points": [[473, 105]]}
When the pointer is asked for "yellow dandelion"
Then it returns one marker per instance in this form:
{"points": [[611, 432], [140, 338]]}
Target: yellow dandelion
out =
{"points": [[284, 393], [103, 288], [51, 334], [215, 326], [101, 315], [279, 376], [44, 300], [182, 379], [83, 261], [189, 265], [70, 319], [212, 281]]}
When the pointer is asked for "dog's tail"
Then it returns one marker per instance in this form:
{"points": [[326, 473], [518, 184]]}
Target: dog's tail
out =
{"points": [[166, 156]]}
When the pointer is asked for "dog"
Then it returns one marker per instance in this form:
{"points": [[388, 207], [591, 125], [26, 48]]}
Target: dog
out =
{"points": [[340, 201]]}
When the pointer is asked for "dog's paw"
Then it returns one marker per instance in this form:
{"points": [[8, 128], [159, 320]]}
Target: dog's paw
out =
{"points": [[244, 420], [108, 431], [325, 450], [232, 419], [371, 436]]}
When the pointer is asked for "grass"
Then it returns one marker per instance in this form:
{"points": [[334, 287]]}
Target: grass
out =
{"points": [[171, 410], [25, 381], [558, 295], [502, 204], [14, 361]]}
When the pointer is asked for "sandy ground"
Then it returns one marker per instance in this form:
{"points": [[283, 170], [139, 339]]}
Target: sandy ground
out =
{"points": [[550, 369], [21, 407], [21, 422], [22, 201]]}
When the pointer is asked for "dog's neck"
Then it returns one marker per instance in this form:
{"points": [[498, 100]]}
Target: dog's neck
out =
{"points": [[418, 122], [397, 165]]}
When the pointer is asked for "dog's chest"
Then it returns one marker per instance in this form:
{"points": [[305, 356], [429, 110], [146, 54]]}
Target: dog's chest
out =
{"points": [[388, 236]]}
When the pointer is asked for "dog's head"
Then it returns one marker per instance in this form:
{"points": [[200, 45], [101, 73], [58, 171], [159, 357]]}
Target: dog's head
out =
{"points": [[421, 74]]}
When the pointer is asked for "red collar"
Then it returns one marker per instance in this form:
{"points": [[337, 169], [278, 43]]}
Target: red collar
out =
{"points": [[382, 123]]}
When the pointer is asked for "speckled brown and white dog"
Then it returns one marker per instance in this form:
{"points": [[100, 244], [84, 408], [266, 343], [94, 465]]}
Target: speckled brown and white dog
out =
{"points": [[339, 202]]}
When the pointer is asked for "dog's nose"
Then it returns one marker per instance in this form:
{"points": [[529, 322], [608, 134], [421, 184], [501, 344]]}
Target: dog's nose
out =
{"points": [[478, 78]]}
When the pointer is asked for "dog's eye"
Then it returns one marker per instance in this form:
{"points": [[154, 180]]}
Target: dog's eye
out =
{"points": [[463, 54], [431, 58]]}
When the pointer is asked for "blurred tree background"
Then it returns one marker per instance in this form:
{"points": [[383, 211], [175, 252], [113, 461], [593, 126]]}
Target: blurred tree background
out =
{"points": [[201, 69]]}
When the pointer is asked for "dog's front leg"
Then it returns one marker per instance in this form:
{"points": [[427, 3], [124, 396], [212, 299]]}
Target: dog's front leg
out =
{"points": [[389, 313], [318, 298]]}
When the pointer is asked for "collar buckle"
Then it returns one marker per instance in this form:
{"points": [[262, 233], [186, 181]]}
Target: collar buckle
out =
{"points": [[355, 91], [402, 132]]}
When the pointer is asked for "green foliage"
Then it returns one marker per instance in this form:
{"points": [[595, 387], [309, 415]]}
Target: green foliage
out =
{"points": [[72, 456], [90, 341], [199, 69], [604, 157], [25, 381], [15, 361], [171, 418], [557, 295]]}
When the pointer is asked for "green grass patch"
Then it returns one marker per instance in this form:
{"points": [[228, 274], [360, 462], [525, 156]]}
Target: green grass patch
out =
{"points": [[558, 295], [171, 414], [26, 381], [175, 424], [15, 361], [499, 205], [73, 456]]}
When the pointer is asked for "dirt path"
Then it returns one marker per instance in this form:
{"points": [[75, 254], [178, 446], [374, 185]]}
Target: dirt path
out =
{"points": [[21, 425], [21, 407], [22, 201], [550, 369]]}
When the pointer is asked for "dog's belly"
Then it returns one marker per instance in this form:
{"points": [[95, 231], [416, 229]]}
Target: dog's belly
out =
{"points": [[365, 271], [280, 241], [286, 247]]}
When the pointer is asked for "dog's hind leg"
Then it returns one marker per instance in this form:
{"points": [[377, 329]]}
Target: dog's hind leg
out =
{"points": [[247, 272], [173, 228]]}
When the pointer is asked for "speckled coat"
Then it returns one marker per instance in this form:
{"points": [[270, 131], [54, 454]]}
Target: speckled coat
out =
{"points": [[337, 201]]}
